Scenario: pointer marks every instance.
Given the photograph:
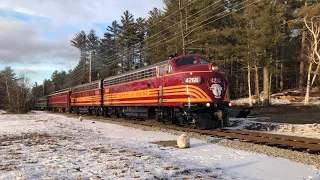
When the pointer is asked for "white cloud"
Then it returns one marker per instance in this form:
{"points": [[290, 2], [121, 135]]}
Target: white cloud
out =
{"points": [[82, 10], [22, 42], [35, 68], [27, 71]]}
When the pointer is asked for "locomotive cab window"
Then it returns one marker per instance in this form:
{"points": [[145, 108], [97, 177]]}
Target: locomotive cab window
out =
{"points": [[185, 61]]}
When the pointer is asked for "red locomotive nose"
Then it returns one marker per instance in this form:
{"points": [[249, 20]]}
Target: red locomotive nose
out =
{"points": [[217, 85]]}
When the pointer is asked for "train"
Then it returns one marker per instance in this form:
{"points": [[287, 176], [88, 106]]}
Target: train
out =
{"points": [[185, 90]]}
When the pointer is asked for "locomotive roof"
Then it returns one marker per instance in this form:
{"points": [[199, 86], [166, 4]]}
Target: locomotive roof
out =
{"points": [[149, 66], [59, 91], [88, 83], [136, 70]]}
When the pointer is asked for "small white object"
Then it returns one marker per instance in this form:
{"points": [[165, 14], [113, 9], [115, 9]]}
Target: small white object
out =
{"points": [[183, 141], [80, 118], [208, 104]]}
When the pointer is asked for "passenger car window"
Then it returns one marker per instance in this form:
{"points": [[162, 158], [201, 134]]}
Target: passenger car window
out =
{"points": [[185, 61], [203, 61]]}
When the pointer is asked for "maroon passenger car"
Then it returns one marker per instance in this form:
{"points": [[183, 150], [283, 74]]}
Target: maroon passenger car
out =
{"points": [[59, 100]]}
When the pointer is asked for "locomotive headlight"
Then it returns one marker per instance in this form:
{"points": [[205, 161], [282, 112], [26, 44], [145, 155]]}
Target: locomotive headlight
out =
{"points": [[208, 104], [215, 67], [230, 104], [192, 80]]}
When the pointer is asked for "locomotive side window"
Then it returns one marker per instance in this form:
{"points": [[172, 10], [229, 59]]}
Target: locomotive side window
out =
{"points": [[131, 77], [185, 61]]}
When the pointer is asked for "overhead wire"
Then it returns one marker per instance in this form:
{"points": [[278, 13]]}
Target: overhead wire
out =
{"points": [[225, 16], [175, 37], [175, 32], [170, 38], [196, 25], [183, 21]]}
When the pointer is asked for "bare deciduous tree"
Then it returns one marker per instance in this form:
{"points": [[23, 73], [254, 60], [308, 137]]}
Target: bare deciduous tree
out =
{"points": [[313, 51], [17, 91]]}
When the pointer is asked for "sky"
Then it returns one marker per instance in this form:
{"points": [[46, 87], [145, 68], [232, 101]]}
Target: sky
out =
{"points": [[35, 34]]}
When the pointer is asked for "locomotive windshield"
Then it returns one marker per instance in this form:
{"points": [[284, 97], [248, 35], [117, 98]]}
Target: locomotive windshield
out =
{"points": [[190, 60], [203, 61], [185, 61]]}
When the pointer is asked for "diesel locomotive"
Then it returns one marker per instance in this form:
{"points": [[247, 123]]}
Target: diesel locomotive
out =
{"points": [[185, 90]]}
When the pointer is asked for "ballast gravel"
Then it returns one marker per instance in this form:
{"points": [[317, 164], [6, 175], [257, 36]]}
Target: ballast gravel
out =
{"points": [[301, 157]]}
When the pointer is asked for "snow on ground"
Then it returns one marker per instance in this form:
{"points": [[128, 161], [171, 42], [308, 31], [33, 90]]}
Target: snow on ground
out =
{"points": [[2, 111], [48, 146], [278, 99], [250, 123], [273, 101]]}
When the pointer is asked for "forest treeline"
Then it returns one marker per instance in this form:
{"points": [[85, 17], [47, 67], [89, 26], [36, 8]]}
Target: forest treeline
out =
{"points": [[263, 45]]}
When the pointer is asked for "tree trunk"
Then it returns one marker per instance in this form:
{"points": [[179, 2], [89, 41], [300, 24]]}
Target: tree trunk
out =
{"points": [[307, 98], [8, 91], [281, 75], [237, 88], [301, 73], [257, 91], [277, 76], [270, 85], [249, 85], [266, 100], [315, 75]]}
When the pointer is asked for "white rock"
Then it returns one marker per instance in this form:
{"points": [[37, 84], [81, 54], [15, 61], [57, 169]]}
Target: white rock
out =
{"points": [[183, 141], [80, 118]]}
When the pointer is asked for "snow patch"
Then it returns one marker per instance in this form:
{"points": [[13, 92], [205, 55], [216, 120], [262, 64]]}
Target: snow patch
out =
{"points": [[305, 130], [2, 111], [245, 101], [49, 146]]}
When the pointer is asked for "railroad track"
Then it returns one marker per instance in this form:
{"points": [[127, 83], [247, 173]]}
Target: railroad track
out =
{"points": [[298, 143], [310, 145]]}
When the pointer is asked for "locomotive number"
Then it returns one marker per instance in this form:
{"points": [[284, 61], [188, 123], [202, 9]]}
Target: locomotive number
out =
{"points": [[192, 80]]}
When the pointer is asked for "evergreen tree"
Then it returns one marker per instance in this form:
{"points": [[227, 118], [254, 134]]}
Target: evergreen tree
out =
{"points": [[114, 49], [59, 80], [140, 32], [81, 71], [127, 40], [93, 43], [155, 24]]}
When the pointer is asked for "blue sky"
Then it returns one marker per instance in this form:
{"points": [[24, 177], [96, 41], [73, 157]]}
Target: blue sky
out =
{"points": [[35, 35]]}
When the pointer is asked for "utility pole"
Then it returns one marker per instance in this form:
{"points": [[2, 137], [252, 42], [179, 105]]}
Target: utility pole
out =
{"points": [[43, 88], [90, 59]]}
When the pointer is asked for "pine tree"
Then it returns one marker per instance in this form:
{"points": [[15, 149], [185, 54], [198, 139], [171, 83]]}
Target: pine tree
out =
{"points": [[140, 33], [81, 71], [155, 24], [114, 52], [127, 39]]}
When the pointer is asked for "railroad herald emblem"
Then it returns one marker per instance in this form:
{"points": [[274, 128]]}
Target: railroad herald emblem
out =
{"points": [[216, 90]]}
